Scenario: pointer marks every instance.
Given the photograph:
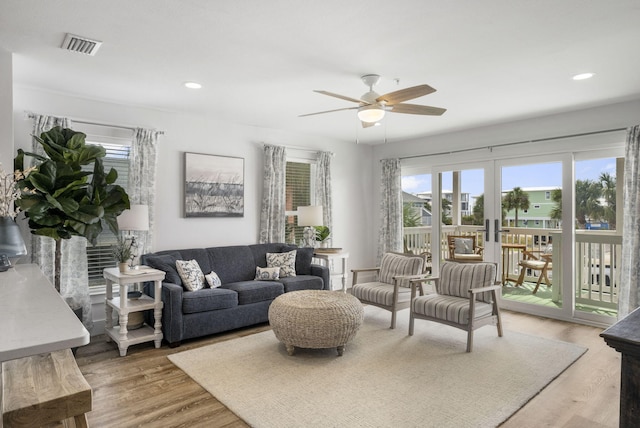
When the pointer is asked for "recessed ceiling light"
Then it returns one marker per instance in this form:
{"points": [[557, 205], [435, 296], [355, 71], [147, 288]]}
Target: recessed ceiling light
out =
{"points": [[583, 76], [192, 85]]}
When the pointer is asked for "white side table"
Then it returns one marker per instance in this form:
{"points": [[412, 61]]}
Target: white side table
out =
{"points": [[124, 306], [327, 257]]}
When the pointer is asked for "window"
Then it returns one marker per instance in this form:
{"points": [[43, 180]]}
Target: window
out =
{"points": [[536, 206], [547, 195], [118, 147], [299, 193]]}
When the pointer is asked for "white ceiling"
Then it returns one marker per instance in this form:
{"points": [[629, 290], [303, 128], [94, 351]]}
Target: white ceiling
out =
{"points": [[491, 61]]}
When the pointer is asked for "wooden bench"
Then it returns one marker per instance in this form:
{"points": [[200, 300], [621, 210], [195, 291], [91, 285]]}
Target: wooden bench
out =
{"points": [[44, 389]]}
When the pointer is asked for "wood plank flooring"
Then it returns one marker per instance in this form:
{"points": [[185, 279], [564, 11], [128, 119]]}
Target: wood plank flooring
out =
{"points": [[144, 389]]}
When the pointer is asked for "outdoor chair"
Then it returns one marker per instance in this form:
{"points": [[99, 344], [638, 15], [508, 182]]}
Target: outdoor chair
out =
{"points": [[464, 248], [541, 263], [466, 298], [391, 290]]}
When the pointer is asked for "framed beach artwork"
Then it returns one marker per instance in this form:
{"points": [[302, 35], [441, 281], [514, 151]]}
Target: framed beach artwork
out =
{"points": [[213, 186]]}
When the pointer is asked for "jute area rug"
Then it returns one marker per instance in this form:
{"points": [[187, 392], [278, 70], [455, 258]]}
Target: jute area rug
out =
{"points": [[384, 379]]}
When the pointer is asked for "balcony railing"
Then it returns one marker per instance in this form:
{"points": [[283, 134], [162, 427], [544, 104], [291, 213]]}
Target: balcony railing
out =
{"points": [[597, 256]]}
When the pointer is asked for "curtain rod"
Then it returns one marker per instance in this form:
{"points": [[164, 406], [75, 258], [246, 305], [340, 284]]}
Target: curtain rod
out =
{"points": [[537, 140], [304, 149], [31, 115]]}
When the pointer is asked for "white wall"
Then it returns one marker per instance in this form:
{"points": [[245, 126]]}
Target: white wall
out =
{"points": [[351, 171], [6, 106]]}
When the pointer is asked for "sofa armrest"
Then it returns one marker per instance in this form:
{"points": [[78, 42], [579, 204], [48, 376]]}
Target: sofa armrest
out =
{"points": [[324, 273], [172, 322]]}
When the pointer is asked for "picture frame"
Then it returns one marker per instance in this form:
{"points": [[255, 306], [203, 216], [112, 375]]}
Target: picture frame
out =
{"points": [[213, 185]]}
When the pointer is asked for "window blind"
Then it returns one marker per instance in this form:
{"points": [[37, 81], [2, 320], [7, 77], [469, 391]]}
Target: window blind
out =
{"points": [[298, 194], [99, 256]]}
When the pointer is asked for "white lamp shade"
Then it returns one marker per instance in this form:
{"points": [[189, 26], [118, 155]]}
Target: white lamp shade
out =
{"points": [[135, 218], [370, 114], [310, 216]]}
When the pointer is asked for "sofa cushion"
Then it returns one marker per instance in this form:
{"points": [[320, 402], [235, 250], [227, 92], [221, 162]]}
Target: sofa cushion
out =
{"points": [[267, 274], [302, 282], [191, 274], [201, 255], [232, 264], [166, 263], [255, 291], [260, 251], [285, 261], [304, 255], [208, 299]]}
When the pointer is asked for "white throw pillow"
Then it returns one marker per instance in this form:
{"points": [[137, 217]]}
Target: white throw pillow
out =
{"points": [[267, 274], [463, 245], [213, 280], [285, 261], [191, 274]]}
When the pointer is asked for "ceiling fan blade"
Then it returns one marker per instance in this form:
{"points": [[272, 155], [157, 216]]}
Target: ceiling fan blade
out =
{"points": [[406, 94], [329, 111], [417, 109], [368, 124], [342, 97]]}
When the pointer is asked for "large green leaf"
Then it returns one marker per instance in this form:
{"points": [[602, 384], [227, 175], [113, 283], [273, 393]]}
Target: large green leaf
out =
{"points": [[68, 201], [41, 182]]}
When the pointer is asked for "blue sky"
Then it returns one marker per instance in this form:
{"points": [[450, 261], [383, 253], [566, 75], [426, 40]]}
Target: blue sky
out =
{"points": [[535, 175]]}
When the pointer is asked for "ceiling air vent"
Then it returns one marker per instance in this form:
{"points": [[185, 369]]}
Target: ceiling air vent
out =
{"points": [[80, 44]]}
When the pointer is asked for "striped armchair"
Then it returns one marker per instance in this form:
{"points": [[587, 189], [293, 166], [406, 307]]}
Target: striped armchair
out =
{"points": [[392, 289], [466, 298]]}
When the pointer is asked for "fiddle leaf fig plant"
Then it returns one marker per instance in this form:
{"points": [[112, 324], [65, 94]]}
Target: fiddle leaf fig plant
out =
{"points": [[68, 193]]}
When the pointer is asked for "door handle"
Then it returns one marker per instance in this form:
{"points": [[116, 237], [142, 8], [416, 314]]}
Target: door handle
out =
{"points": [[485, 230], [498, 230]]}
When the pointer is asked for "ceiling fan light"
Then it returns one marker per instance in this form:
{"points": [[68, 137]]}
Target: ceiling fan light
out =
{"points": [[370, 114]]}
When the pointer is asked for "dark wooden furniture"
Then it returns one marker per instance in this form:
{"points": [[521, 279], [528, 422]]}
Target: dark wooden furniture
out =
{"points": [[624, 337]]}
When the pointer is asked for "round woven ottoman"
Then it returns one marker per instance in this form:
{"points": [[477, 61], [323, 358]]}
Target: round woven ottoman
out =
{"points": [[315, 319]]}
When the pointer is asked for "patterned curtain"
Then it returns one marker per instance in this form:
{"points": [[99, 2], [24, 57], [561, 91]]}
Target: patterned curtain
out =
{"points": [[629, 293], [272, 213], [390, 238], [74, 276], [142, 181], [323, 189]]}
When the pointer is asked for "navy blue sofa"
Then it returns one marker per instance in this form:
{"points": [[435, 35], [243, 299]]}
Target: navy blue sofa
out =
{"points": [[241, 301]]}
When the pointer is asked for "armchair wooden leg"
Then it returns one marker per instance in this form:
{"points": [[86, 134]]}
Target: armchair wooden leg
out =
{"points": [[411, 319], [523, 270], [535, 290], [393, 318], [470, 339]]}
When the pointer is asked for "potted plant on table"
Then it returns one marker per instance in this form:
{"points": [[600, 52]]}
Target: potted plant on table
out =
{"points": [[322, 235], [122, 251]]}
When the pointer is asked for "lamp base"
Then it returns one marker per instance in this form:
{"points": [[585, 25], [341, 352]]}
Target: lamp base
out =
{"points": [[309, 237]]}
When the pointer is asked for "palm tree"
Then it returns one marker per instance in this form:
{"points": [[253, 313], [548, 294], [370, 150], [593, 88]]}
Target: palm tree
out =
{"points": [[446, 211], [588, 207], [556, 211], [516, 199], [410, 216], [608, 184], [478, 210]]}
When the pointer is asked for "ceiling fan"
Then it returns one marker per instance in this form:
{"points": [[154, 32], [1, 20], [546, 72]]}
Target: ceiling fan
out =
{"points": [[372, 106]]}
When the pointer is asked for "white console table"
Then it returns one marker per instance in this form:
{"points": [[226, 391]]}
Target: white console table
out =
{"points": [[34, 317]]}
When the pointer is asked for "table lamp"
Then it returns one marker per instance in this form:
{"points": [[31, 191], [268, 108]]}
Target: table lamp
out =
{"points": [[135, 219], [309, 217]]}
